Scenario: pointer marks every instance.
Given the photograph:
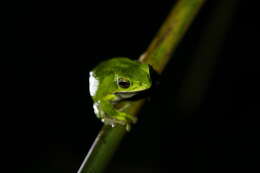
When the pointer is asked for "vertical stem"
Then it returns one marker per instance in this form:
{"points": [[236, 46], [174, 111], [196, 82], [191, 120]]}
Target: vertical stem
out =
{"points": [[176, 24]]}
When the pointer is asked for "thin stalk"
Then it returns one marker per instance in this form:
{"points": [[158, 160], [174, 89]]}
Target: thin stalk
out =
{"points": [[170, 34], [157, 55]]}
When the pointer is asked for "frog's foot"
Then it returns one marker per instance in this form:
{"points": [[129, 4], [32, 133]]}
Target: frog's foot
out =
{"points": [[121, 119]]}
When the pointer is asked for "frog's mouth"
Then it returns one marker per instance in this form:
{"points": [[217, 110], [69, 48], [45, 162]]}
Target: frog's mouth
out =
{"points": [[128, 94]]}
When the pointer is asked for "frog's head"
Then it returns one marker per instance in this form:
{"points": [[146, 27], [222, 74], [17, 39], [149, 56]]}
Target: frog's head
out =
{"points": [[135, 79]]}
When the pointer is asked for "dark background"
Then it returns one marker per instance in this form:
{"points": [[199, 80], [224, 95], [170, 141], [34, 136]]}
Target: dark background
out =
{"points": [[202, 117]]}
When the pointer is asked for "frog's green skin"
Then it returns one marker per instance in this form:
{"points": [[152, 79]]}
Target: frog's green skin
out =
{"points": [[114, 80]]}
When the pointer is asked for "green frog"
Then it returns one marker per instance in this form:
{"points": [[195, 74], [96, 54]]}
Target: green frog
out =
{"points": [[113, 81]]}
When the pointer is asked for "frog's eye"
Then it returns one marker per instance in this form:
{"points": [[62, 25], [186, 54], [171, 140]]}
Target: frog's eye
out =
{"points": [[123, 83]]}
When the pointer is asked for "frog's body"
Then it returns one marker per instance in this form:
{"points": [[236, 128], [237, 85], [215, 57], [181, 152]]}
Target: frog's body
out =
{"points": [[114, 80]]}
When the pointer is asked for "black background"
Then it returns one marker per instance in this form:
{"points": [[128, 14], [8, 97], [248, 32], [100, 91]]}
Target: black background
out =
{"points": [[53, 46]]}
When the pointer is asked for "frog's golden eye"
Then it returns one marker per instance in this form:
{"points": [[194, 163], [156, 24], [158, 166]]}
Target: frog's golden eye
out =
{"points": [[123, 83]]}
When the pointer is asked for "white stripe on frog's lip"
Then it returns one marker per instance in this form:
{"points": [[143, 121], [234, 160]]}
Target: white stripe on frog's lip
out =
{"points": [[125, 95], [130, 92]]}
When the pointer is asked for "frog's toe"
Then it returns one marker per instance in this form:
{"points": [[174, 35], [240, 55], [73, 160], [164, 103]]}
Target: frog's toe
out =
{"points": [[129, 118], [128, 127], [133, 119]]}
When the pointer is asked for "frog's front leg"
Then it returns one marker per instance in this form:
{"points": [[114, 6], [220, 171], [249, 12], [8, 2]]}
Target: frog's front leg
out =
{"points": [[109, 115]]}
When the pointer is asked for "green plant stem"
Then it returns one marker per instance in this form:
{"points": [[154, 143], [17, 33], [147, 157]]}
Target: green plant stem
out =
{"points": [[158, 55], [170, 34]]}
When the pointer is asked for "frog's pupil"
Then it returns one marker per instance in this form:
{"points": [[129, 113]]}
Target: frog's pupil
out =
{"points": [[124, 83]]}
